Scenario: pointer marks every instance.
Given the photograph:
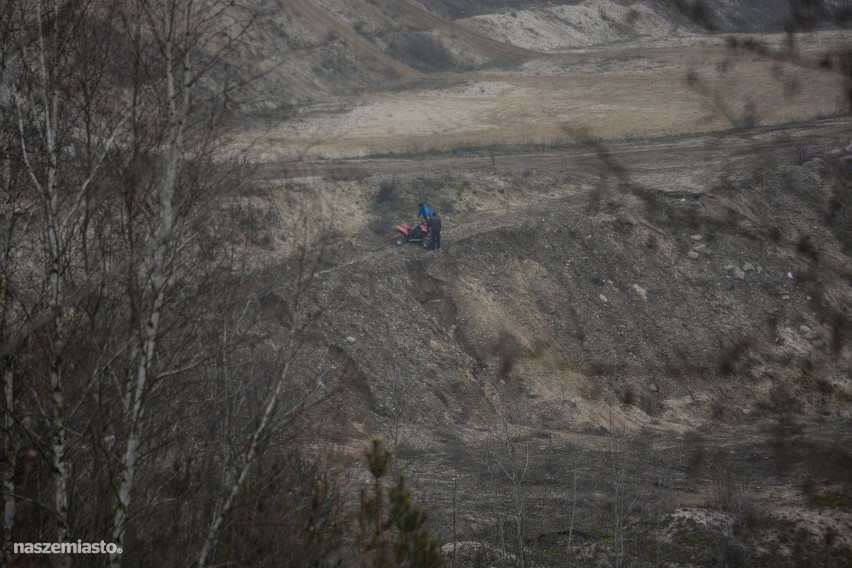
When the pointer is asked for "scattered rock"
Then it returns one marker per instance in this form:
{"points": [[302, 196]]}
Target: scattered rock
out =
{"points": [[759, 269], [603, 298], [600, 431], [785, 296], [748, 267], [641, 291], [696, 237], [729, 267], [804, 328], [790, 275], [350, 339], [739, 274], [811, 335], [700, 248], [692, 254], [653, 388], [818, 343]]}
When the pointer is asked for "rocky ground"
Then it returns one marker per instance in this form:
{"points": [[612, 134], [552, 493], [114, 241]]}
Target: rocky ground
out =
{"points": [[597, 330], [634, 345]]}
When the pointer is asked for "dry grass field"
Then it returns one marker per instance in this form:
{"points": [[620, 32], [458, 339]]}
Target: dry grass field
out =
{"points": [[610, 93]]}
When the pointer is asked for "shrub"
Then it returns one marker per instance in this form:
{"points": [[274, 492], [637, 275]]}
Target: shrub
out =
{"points": [[347, 172], [388, 191], [302, 517], [730, 493], [392, 531], [423, 52], [800, 153]]}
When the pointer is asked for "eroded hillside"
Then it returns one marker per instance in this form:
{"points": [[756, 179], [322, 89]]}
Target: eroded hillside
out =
{"points": [[634, 345], [600, 303], [633, 348], [304, 51]]}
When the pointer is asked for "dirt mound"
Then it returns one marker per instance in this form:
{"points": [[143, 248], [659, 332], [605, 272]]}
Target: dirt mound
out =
{"points": [[309, 50], [691, 331], [659, 301], [618, 315], [594, 22]]}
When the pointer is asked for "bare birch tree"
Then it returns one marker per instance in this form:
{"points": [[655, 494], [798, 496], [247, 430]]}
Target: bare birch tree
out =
{"points": [[58, 150], [104, 155]]}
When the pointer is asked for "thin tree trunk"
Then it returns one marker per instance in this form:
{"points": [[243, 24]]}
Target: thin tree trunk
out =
{"points": [[573, 513], [136, 407], [55, 337], [455, 531], [10, 448], [11, 455], [239, 479], [59, 464]]}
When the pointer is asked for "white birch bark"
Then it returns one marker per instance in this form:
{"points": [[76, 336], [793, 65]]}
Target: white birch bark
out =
{"points": [[50, 197], [136, 398]]}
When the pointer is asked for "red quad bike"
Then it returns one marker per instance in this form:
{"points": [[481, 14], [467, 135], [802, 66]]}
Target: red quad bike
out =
{"points": [[416, 234]]}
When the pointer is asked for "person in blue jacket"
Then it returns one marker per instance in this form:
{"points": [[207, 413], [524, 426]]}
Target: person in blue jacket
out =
{"points": [[425, 213], [435, 226]]}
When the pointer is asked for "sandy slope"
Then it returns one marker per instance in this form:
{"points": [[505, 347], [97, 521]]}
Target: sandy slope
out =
{"points": [[609, 93], [565, 306], [593, 22], [618, 293]]}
